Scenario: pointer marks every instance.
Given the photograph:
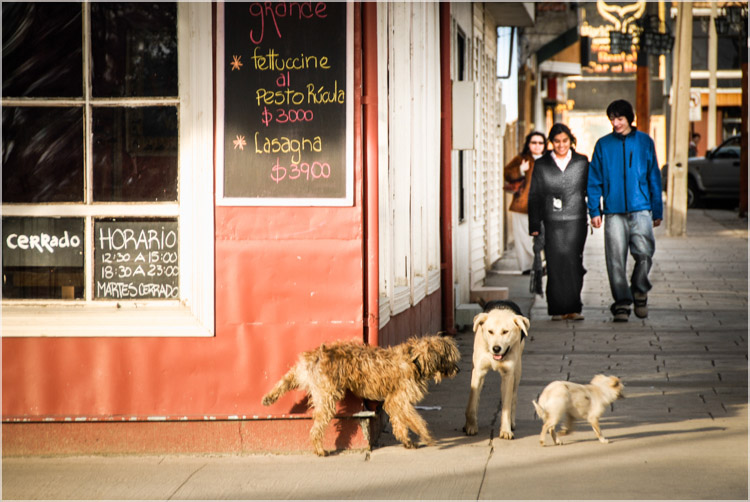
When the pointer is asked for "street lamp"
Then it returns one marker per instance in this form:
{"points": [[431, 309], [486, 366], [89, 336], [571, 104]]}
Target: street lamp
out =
{"points": [[619, 42], [651, 39], [733, 22]]}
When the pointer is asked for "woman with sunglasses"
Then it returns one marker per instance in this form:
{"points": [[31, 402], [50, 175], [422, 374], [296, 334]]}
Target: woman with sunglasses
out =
{"points": [[518, 181], [558, 198]]}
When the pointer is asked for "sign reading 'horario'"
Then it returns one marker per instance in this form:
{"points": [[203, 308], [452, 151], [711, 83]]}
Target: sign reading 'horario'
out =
{"points": [[285, 101], [136, 260]]}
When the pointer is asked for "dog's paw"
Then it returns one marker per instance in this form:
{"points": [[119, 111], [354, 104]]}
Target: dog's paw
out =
{"points": [[427, 441], [409, 445], [604, 440], [506, 435], [268, 400], [471, 429]]}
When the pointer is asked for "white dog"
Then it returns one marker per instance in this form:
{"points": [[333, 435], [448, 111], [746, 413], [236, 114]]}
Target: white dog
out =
{"points": [[572, 400], [499, 335]]}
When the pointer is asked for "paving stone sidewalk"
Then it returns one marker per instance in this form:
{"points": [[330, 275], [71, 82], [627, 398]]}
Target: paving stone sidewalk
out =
{"points": [[694, 340]]}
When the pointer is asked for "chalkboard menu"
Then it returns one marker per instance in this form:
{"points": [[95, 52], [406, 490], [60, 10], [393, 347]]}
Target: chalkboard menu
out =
{"points": [[136, 260], [287, 104], [42, 242]]}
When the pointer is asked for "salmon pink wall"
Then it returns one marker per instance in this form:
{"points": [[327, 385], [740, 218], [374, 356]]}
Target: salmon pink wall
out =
{"points": [[287, 279]]}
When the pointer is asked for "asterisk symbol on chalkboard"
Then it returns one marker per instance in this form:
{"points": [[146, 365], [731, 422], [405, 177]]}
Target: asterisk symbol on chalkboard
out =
{"points": [[239, 142], [236, 64]]}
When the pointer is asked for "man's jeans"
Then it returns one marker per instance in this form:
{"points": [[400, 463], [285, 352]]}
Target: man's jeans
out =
{"points": [[625, 231]]}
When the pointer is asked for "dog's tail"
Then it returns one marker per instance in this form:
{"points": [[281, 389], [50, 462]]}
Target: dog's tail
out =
{"points": [[539, 410], [287, 383]]}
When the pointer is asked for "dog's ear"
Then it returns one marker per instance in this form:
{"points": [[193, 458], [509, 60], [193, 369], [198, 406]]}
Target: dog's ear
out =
{"points": [[523, 324], [417, 364], [479, 320], [422, 360], [617, 385]]}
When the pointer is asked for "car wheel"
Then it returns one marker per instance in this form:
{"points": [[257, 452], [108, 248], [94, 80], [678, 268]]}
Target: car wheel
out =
{"points": [[692, 194]]}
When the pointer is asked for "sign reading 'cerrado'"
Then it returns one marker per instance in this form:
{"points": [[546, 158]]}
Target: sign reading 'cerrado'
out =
{"points": [[287, 104]]}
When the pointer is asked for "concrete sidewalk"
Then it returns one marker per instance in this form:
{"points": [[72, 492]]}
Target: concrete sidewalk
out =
{"points": [[681, 433]]}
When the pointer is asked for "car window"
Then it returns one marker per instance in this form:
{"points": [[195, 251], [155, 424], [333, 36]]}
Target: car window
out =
{"points": [[730, 149]]}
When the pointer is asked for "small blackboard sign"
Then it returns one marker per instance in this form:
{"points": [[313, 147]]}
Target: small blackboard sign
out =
{"points": [[42, 242], [136, 260], [287, 104]]}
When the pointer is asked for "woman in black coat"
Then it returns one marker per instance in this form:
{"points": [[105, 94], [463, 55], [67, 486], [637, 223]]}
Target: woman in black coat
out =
{"points": [[558, 198]]}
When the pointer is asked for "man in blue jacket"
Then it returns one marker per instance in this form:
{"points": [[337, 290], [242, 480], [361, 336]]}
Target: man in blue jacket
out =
{"points": [[624, 172]]}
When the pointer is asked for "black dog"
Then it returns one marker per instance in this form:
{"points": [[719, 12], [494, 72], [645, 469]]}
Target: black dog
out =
{"points": [[502, 304]]}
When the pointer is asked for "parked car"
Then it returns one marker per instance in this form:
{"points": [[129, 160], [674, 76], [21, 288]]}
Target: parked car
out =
{"points": [[717, 175]]}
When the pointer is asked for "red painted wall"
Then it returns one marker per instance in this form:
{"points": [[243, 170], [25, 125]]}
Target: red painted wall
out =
{"points": [[423, 318]]}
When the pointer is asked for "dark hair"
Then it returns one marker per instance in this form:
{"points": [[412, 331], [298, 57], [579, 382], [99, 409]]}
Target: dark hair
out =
{"points": [[526, 150], [560, 129], [621, 108]]}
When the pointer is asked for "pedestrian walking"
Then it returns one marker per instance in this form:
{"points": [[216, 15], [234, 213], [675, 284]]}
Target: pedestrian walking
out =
{"points": [[693, 146], [557, 199], [624, 173], [517, 180]]}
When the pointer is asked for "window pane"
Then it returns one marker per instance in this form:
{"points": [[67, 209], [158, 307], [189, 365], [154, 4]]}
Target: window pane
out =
{"points": [[136, 259], [42, 50], [134, 49], [728, 54], [43, 258], [42, 154], [135, 154]]}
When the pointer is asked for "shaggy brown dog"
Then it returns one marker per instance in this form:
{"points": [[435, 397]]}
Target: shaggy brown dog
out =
{"points": [[397, 375]]}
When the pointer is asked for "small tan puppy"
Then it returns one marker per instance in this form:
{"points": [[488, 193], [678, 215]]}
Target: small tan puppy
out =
{"points": [[572, 400], [499, 335]]}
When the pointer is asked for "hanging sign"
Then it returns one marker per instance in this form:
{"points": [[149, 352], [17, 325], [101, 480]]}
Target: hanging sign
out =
{"points": [[287, 104], [695, 106]]}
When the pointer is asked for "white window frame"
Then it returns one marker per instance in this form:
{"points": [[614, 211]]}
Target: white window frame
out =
{"points": [[193, 314], [432, 157]]}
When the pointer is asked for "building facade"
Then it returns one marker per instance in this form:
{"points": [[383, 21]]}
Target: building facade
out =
{"points": [[195, 193]]}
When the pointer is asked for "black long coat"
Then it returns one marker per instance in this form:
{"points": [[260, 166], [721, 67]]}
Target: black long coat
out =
{"points": [[558, 198], [557, 195]]}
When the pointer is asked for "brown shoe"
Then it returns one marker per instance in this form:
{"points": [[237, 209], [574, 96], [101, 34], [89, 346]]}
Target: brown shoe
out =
{"points": [[575, 316], [640, 305]]}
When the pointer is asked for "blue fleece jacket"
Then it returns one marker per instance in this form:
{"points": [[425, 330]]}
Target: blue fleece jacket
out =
{"points": [[624, 171]]}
